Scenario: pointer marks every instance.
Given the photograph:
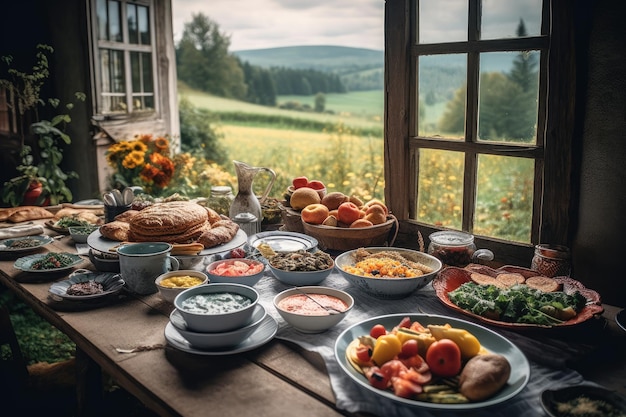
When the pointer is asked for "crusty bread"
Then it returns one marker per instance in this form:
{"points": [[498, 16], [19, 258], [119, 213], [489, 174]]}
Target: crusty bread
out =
{"points": [[168, 219], [541, 283], [126, 216], [482, 279], [115, 230], [484, 375], [220, 232], [510, 279], [24, 213]]}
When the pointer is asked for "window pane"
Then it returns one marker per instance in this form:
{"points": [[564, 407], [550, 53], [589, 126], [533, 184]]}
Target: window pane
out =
{"points": [[115, 29], [510, 18], [101, 12], [146, 66], [131, 12], [135, 71], [440, 188], [113, 104], [442, 21], [504, 197], [112, 71], [508, 100], [148, 102], [144, 25], [442, 92]]}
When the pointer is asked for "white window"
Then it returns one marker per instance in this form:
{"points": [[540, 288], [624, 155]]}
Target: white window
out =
{"points": [[125, 58]]}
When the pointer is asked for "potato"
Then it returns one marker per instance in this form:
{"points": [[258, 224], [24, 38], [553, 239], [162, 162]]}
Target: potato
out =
{"points": [[483, 376]]}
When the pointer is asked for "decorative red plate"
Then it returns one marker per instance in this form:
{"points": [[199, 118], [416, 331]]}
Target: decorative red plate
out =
{"points": [[451, 278]]}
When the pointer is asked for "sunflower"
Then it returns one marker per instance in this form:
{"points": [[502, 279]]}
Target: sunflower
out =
{"points": [[162, 145], [133, 160]]}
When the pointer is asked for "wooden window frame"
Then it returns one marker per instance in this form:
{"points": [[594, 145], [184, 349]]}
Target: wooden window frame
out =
{"points": [[127, 49], [553, 153]]}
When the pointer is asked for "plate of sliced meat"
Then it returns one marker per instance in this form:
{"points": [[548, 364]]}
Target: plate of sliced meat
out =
{"points": [[516, 297], [86, 285]]}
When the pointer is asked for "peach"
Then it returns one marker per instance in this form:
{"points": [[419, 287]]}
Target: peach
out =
{"points": [[304, 196], [376, 218], [348, 212], [376, 202], [361, 223], [334, 199], [330, 221], [375, 208], [356, 201], [314, 213]]}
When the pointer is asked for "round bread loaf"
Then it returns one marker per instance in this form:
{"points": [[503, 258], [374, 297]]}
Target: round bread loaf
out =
{"points": [[173, 222]]}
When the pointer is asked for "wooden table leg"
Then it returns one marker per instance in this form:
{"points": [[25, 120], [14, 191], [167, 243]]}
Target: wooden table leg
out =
{"points": [[89, 390]]}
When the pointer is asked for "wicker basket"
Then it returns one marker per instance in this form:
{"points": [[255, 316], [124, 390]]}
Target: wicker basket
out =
{"points": [[343, 238]]}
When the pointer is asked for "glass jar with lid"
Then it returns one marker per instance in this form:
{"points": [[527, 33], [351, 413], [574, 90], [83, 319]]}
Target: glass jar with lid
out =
{"points": [[551, 260], [221, 198], [454, 248]]}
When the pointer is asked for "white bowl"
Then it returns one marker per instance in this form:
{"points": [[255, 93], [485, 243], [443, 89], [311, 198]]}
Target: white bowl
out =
{"points": [[320, 320], [220, 321], [218, 340], [249, 280], [170, 293], [389, 288]]}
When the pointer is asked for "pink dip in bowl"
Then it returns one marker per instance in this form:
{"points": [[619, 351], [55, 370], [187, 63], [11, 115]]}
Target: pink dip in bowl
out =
{"points": [[301, 304]]}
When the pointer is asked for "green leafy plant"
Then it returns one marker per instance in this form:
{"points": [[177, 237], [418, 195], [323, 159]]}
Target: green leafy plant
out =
{"points": [[42, 164]]}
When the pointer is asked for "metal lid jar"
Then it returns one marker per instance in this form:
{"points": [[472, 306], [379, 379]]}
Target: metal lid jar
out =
{"points": [[454, 248], [551, 260]]}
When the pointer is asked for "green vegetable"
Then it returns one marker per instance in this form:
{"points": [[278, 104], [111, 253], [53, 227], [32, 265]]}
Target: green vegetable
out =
{"points": [[518, 304]]}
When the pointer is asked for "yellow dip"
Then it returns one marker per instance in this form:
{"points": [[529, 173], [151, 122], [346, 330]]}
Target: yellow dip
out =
{"points": [[181, 281]]}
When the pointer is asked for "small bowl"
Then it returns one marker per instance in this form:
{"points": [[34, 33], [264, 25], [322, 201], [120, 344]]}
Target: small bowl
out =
{"points": [[217, 322], [170, 293], [321, 320], [389, 288], [299, 278], [218, 340], [80, 233], [104, 262], [239, 263]]}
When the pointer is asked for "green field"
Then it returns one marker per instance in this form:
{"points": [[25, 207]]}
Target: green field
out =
{"points": [[368, 105]]}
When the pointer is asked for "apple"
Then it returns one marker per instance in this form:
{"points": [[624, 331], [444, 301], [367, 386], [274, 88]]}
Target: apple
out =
{"points": [[444, 358], [299, 182], [316, 185]]}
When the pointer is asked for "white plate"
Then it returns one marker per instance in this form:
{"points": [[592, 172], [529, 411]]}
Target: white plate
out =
{"points": [[26, 263], [492, 341], [100, 243], [179, 322], [263, 334], [5, 245], [111, 284], [281, 241], [620, 319]]}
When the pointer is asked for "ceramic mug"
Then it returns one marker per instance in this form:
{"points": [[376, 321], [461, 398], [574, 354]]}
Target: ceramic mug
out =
{"points": [[141, 263]]}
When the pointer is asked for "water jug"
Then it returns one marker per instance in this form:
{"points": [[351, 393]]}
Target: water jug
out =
{"points": [[246, 201]]}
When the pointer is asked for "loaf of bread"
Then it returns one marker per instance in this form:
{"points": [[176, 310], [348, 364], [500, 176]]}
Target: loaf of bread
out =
{"points": [[220, 232], [24, 213], [87, 215], [116, 230], [484, 375]]}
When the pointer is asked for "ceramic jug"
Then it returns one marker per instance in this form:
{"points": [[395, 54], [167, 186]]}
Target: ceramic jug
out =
{"points": [[246, 201]]}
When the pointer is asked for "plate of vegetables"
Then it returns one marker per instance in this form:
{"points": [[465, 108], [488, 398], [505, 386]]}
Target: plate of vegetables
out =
{"points": [[48, 262], [478, 291], [64, 223], [432, 361], [24, 244]]}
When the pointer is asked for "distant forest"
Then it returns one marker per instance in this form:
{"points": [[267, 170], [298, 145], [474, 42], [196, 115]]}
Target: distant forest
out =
{"points": [[204, 62]]}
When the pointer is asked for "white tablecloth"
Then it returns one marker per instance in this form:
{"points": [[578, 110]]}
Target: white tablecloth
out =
{"points": [[353, 398]]}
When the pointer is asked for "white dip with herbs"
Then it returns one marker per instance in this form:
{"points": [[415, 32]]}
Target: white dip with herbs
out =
{"points": [[215, 303]]}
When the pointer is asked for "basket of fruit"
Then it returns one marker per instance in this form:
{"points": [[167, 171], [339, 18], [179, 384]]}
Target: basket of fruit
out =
{"points": [[341, 223]]}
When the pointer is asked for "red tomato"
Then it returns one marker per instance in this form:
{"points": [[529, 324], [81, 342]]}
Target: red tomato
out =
{"points": [[444, 358], [316, 185], [376, 378], [409, 348], [377, 331], [299, 182], [405, 388], [364, 353]]}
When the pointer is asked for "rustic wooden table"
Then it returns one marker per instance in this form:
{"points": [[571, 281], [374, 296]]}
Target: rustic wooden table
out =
{"points": [[277, 379]]}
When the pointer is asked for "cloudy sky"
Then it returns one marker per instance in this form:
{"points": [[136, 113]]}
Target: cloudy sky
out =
{"points": [[256, 24]]}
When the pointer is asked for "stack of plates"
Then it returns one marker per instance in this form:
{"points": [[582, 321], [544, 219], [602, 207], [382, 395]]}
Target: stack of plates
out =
{"points": [[260, 330]]}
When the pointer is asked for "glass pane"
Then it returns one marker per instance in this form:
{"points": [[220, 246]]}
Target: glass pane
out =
{"points": [[148, 102], [504, 197], [131, 12], [112, 67], [101, 12], [442, 91], [442, 21], [113, 104], [146, 66], [440, 188], [144, 25], [508, 97], [115, 29], [135, 71], [510, 18]]}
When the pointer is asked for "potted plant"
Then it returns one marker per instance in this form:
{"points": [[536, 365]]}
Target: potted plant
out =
{"points": [[40, 165]]}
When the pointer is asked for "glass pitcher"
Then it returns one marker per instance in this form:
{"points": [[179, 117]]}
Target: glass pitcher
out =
{"points": [[246, 201]]}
